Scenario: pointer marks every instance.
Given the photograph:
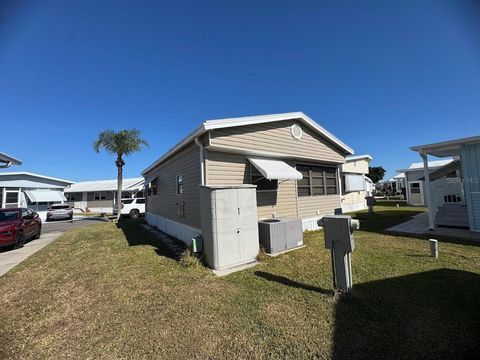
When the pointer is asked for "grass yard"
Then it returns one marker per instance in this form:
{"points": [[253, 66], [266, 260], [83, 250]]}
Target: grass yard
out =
{"points": [[110, 292]]}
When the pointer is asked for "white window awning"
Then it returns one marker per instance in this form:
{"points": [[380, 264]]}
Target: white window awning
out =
{"points": [[275, 169], [45, 196]]}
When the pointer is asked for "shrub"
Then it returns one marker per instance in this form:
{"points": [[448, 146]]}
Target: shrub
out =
{"points": [[189, 259], [262, 255]]}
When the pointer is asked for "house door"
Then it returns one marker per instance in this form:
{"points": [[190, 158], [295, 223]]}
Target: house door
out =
{"points": [[416, 193]]}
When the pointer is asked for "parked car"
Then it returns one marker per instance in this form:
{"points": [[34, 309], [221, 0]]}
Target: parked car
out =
{"points": [[60, 211], [18, 225], [132, 207]]}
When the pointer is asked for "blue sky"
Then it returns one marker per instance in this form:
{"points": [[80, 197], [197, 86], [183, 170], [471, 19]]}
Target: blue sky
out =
{"points": [[380, 75]]}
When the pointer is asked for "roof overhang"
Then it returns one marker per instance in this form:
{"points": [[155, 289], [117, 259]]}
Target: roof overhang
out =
{"points": [[251, 120], [20, 173], [8, 160], [273, 169], [359, 157], [445, 148]]}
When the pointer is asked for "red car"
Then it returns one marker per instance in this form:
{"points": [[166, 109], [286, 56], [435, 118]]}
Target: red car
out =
{"points": [[18, 225]]}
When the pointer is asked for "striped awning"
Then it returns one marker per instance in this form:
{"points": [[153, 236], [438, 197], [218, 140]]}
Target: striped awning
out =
{"points": [[45, 196], [272, 169]]}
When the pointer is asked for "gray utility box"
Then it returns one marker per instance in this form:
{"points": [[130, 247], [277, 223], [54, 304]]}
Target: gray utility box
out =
{"points": [[277, 235], [229, 225]]}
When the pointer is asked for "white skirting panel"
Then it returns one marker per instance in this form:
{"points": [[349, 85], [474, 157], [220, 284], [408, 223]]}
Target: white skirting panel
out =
{"points": [[179, 231], [346, 208], [107, 210], [311, 224]]}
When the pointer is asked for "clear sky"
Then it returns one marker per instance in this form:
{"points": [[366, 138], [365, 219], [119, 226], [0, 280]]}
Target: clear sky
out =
{"points": [[380, 75]]}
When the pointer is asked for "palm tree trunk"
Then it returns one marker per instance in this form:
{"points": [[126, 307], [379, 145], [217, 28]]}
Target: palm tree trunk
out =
{"points": [[119, 164]]}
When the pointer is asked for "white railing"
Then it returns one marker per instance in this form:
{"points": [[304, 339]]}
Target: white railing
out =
{"points": [[82, 205]]}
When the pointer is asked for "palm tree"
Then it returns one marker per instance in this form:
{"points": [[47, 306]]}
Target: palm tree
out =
{"points": [[123, 142]]}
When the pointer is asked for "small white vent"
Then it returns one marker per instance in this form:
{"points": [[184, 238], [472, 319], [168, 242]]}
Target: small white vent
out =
{"points": [[296, 131]]}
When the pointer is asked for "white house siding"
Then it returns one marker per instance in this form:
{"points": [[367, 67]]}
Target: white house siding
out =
{"points": [[470, 158]]}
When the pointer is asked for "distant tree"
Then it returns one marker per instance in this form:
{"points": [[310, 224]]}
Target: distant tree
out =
{"points": [[121, 143], [376, 173]]}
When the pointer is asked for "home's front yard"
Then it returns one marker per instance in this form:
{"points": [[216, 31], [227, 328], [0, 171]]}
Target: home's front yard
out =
{"points": [[109, 292]]}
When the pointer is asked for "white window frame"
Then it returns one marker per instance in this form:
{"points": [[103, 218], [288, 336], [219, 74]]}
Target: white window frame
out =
{"points": [[104, 197]]}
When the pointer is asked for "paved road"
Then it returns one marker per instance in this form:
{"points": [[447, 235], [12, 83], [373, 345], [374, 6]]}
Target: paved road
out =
{"points": [[50, 231], [64, 225]]}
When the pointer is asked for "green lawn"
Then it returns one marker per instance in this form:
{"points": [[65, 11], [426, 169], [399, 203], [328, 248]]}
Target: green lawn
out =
{"points": [[110, 292]]}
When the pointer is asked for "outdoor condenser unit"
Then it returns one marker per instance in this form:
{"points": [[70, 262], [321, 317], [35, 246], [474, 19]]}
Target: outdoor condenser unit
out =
{"points": [[277, 235]]}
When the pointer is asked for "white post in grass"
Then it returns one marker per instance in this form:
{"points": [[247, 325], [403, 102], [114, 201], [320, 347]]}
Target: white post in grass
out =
{"points": [[431, 210], [433, 248]]}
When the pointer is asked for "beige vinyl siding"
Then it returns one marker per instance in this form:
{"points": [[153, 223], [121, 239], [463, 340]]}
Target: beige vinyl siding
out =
{"points": [[313, 206], [186, 163], [100, 203], [356, 167], [275, 137], [233, 169]]}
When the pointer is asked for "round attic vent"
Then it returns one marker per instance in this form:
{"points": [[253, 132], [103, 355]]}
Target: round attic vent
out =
{"points": [[296, 131]]}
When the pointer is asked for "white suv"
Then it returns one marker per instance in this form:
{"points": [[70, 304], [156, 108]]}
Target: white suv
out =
{"points": [[132, 207]]}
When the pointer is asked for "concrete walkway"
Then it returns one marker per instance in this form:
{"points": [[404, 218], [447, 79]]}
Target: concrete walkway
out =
{"points": [[418, 225], [11, 258]]}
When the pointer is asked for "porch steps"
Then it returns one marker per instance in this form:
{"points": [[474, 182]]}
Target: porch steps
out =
{"points": [[452, 215]]}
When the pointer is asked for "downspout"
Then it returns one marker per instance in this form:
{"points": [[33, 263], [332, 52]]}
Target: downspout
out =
{"points": [[202, 160], [339, 174]]}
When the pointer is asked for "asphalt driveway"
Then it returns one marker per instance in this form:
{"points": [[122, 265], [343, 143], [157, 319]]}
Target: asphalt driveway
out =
{"points": [[9, 258]]}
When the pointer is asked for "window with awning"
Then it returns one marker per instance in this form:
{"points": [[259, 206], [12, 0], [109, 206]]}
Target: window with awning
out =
{"points": [[37, 196], [266, 173]]}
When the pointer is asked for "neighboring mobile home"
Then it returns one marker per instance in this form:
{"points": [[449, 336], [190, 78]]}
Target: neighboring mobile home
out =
{"points": [[455, 200], [293, 161], [414, 180], [392, 187], [356, 186], [99, 195], [37, 192]]}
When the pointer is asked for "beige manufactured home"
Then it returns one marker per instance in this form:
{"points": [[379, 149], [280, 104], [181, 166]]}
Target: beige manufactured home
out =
{"points": [[356, 186], [293, 161]]}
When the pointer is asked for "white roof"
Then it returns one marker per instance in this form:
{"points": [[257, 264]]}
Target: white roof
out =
{"points": [[45, 196], [106, 185], [399, 176], [9, 160], [249, 120], [20, 173], [276, 169], [446, 148], [431, 164], [359, 157]]}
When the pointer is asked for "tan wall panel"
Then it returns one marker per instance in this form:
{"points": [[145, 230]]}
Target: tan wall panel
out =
{"points": [[99, 203], [312, 206], [232, 169], [357, 167], [276, 137], [354, 197], [165, 203]]}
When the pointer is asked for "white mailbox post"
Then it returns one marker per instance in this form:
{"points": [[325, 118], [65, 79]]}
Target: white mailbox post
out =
{"points": [[338, 232]]}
